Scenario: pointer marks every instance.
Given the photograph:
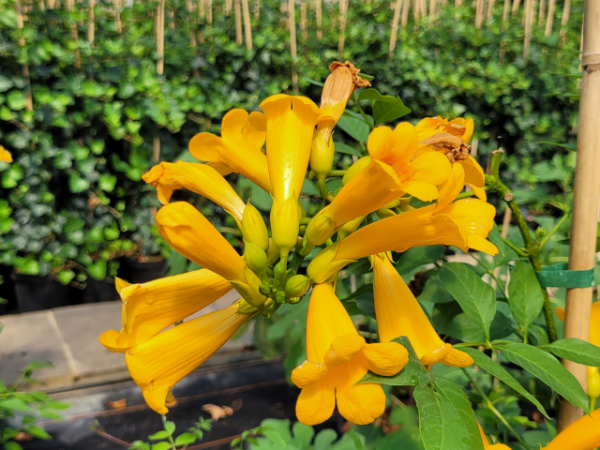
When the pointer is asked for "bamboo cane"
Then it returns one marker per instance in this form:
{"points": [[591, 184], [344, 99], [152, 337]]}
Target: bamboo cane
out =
{"points": [[318, 7], [343, 11], [51, 4], [209, 15], [303, 6], [432, 5], [238, 22], [160, 37], [20, 24], [91, 21], [395, 20], [117, 6], [565, 14], [506, 12], [528, 22], [515, 6], [423, 8], [292, 26], [405, 7], [41, 5], [542, 13], [585, 201], [69, 7], [256, 9], [550, 18], [416, 10], [247, 26], [479, 13], [490, 9], [228, 6], [457, 2]]}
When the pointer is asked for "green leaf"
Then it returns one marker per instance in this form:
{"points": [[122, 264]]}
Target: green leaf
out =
{"points": [[455, 395], [385, 111], [569, 147], [162, 434], [440, 424], [340, 147], [97, 270], [161, 445], [5, 83], [77, 184], [355, 127], [14, 404], [575, 350], [493, 368], [324, 439], [413, 374], [524, 295], [170, 427], [65, 276], [16, 100], [38, 432], [185, 439], [546, 367], [107, 182], [475, 297], [12, 445]]}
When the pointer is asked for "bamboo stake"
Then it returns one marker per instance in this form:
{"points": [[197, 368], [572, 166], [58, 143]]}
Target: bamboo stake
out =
{"points": [[91, 21], [528, 22], [318, 6], [416, 11], [550, 18], [292, 26], [209, 15], [490, 10], [20, 24], [69, 7], [247, 26], [423, 8], [542, 13], [41, 5], [343, 11], [395, 20], [117, 6], [160, 37], [228, 6], [506, 11], [405, 7], [303, 6], [565, 14], [238, 22], [51, 4], [457, 2], [202, 9], [515, 7], [432, 5], [585, 201], [256, 9], [479, 13]]}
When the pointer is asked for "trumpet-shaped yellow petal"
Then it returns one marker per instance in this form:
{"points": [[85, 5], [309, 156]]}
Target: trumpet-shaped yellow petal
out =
{"points": [[5, 155], [189, 233], [430, 126], [450, 189], [158, 364], [487, 445], [420, 177], [238, 148], [149, 308], [474, 174], [399, 314], [583, 434], [393, 147], [337, 359], [290, 125], [410, 229], [594, 322], [477, 219], [323, 266], [199, 178]]}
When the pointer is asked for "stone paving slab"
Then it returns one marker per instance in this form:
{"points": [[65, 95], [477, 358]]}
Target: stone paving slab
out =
{"points": [[68, 338]]}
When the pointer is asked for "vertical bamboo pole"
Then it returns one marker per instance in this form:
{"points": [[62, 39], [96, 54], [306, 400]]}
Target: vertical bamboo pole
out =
{"points": [[20, 24], [506, 11], [209, 13], [542, 13], [515, 6], [565, 14], [41, 5], [228, 6], [423, 8], [190, 9], [490, 9], [479, 6], [585, 201], [256, 9], [292, 26], [160, 37], [395, 20], [432, 12], [69, 7], [91, 21], [416, 10], [528, 22], [238, 22], [550, 18], [457, 2], [342, 39], [318, 6], [405, 8], [247, 26], [303, 6], [117, 7]]}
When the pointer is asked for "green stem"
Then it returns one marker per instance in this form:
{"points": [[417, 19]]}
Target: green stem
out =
{"points": [[532, 247], [554, 230], [171, 441], [322, 189], [465, 195], [360, 110], [336, 173], [487, 403], [516, 249]]}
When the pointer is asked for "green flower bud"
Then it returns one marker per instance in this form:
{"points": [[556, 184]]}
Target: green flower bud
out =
{"points": [[355, 168], [245, 308], [285, 222], [350, 227], [254, 227], [297, 286], [321, 156], [256, 258], [384, 213], [323, 267], [320, 228]]}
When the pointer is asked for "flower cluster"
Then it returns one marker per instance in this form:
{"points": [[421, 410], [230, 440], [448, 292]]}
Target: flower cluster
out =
{"points": [[429, 162]]}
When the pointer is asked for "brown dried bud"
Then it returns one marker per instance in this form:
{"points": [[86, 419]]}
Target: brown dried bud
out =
{"points": [[452, 146], [337, 90]]}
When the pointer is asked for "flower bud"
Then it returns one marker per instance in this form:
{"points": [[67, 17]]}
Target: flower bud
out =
{"points": [[320, 228], [593, 388], [254, 227], [285, 223], [321, 156], [245, 308], [349, 227], [323, 267], [383, 213], [255, 257], [250, 290], [297, 286], [272, 252], [355, 168]]}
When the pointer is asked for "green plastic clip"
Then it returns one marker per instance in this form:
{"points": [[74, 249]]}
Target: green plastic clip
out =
{"points": [[559, 275]]}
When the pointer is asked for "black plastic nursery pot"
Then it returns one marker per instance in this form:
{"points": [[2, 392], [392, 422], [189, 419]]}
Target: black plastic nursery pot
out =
{"points": [[136, 271], [35, 293], [100, 291]]}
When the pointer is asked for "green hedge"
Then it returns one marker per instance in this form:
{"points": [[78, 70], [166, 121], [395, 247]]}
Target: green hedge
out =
{"points": [[73, 201]]}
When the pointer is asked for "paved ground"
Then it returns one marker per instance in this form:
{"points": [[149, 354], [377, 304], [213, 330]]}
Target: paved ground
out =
{"points": [[68, 338]]}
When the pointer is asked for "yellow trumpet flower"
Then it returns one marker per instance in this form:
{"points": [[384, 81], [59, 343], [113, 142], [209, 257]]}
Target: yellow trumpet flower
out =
{"points": [[594, 339], [337, 359], [290, 126], [5, 155], [451, 138], [149, 308], [159, 363], [239, 147], [398, 313], [199, 178], [392, 172], [486, 443], [464, 224]]}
